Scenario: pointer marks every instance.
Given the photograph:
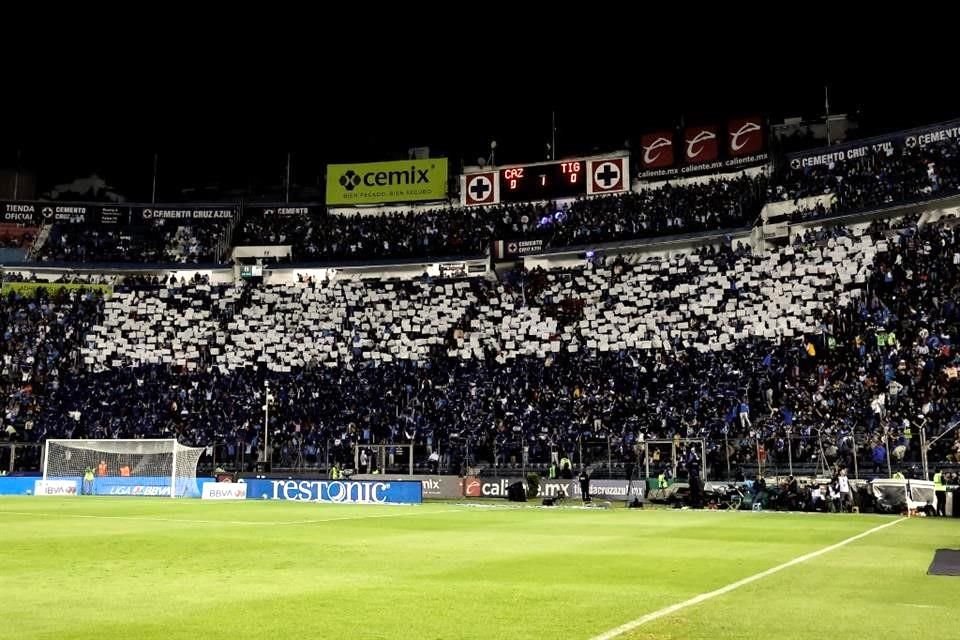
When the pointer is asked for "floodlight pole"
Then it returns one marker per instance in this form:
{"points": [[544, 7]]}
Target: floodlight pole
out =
{"points": [[726, 451], [756, 444], [609, 458], [826, 116], [266, 425], [16, 179], [886, 442], [153, 190], [923, 451], [673, 458], [173, 472], [853, 445], [790, 450], [646, 460], [553, 134]]}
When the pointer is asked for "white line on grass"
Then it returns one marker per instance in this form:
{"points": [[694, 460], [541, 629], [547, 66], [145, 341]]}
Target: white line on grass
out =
{"points": [[703, 597], [267, 523]]}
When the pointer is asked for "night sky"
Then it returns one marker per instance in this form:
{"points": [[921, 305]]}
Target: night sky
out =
{"points": [[227, 120]]}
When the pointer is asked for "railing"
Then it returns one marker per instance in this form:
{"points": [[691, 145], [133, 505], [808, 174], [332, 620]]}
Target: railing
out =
{"points": [[18, 457]]}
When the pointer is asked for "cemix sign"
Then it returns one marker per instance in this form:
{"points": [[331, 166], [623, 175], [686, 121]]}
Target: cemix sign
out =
{"points": [[339, 492], [381, 182]]}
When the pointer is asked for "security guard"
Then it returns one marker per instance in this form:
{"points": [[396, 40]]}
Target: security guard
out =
{"points": [[897, 475], [552, 471], [941, 491], [662, 480]]}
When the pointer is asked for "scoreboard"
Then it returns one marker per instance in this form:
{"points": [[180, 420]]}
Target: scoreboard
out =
{"points": [[546, 181], [543, 181]]}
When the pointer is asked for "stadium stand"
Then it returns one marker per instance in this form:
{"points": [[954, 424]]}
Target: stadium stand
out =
{"points": [[16, 236], [880, 179], [881, 176], [158, 243], [843, 333], [15, 241], [455, 231]]}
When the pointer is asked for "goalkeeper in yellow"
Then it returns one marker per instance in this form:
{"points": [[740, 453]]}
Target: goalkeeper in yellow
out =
{"points": [[87, 489]]}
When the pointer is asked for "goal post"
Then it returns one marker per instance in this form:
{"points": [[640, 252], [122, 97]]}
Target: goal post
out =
{"points": [[383, 458], [674, 449], [137, 467]]}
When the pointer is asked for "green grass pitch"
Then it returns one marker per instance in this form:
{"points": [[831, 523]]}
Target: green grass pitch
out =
{"points": [[152, 568]]}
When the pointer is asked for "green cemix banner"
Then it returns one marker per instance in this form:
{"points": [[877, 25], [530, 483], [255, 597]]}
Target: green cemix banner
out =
{"points": [[382, 182], [33, 288]]}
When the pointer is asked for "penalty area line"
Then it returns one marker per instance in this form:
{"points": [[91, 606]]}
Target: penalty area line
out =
{"points": [[264, 523], [703, 597]]}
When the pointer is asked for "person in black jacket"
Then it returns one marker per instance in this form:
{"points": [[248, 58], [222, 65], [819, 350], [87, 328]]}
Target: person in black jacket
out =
{"points": [[584, 479], [693, 477]]}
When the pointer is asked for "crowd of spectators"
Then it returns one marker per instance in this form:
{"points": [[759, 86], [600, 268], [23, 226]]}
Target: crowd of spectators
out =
{"points": [[454, 231], [16, 236], [882, 178], [867, 370], [408, 234], [42, 334], [157, 243], [861, 382]]}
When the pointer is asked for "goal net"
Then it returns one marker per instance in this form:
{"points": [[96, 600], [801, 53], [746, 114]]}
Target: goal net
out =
{"points": [[125, 467]]}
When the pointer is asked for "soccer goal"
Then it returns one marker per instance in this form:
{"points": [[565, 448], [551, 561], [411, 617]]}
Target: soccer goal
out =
{"points": [[383, 458], [161, 467]]}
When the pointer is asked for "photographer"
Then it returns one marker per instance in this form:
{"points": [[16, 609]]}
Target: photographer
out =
{"points": [[843, 485]]}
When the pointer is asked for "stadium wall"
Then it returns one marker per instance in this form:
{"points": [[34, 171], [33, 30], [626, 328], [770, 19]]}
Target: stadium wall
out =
{"points": [[642, 184], [663, 247], [112, 486], [459, 268], [51, 274], [18, 486], [434, 487]]}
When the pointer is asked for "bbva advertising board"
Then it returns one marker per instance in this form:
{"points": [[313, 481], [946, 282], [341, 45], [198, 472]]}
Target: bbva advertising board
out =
{"points": [[224, 491], [55, 488]]}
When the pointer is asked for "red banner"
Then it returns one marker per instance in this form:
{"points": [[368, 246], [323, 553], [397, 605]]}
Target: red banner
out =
{"points": [[657, 149], [700, 144], [744, 136]]}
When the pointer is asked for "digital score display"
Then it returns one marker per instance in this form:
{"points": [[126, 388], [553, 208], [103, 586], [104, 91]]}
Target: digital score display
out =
{"points": [[543, 181]]}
